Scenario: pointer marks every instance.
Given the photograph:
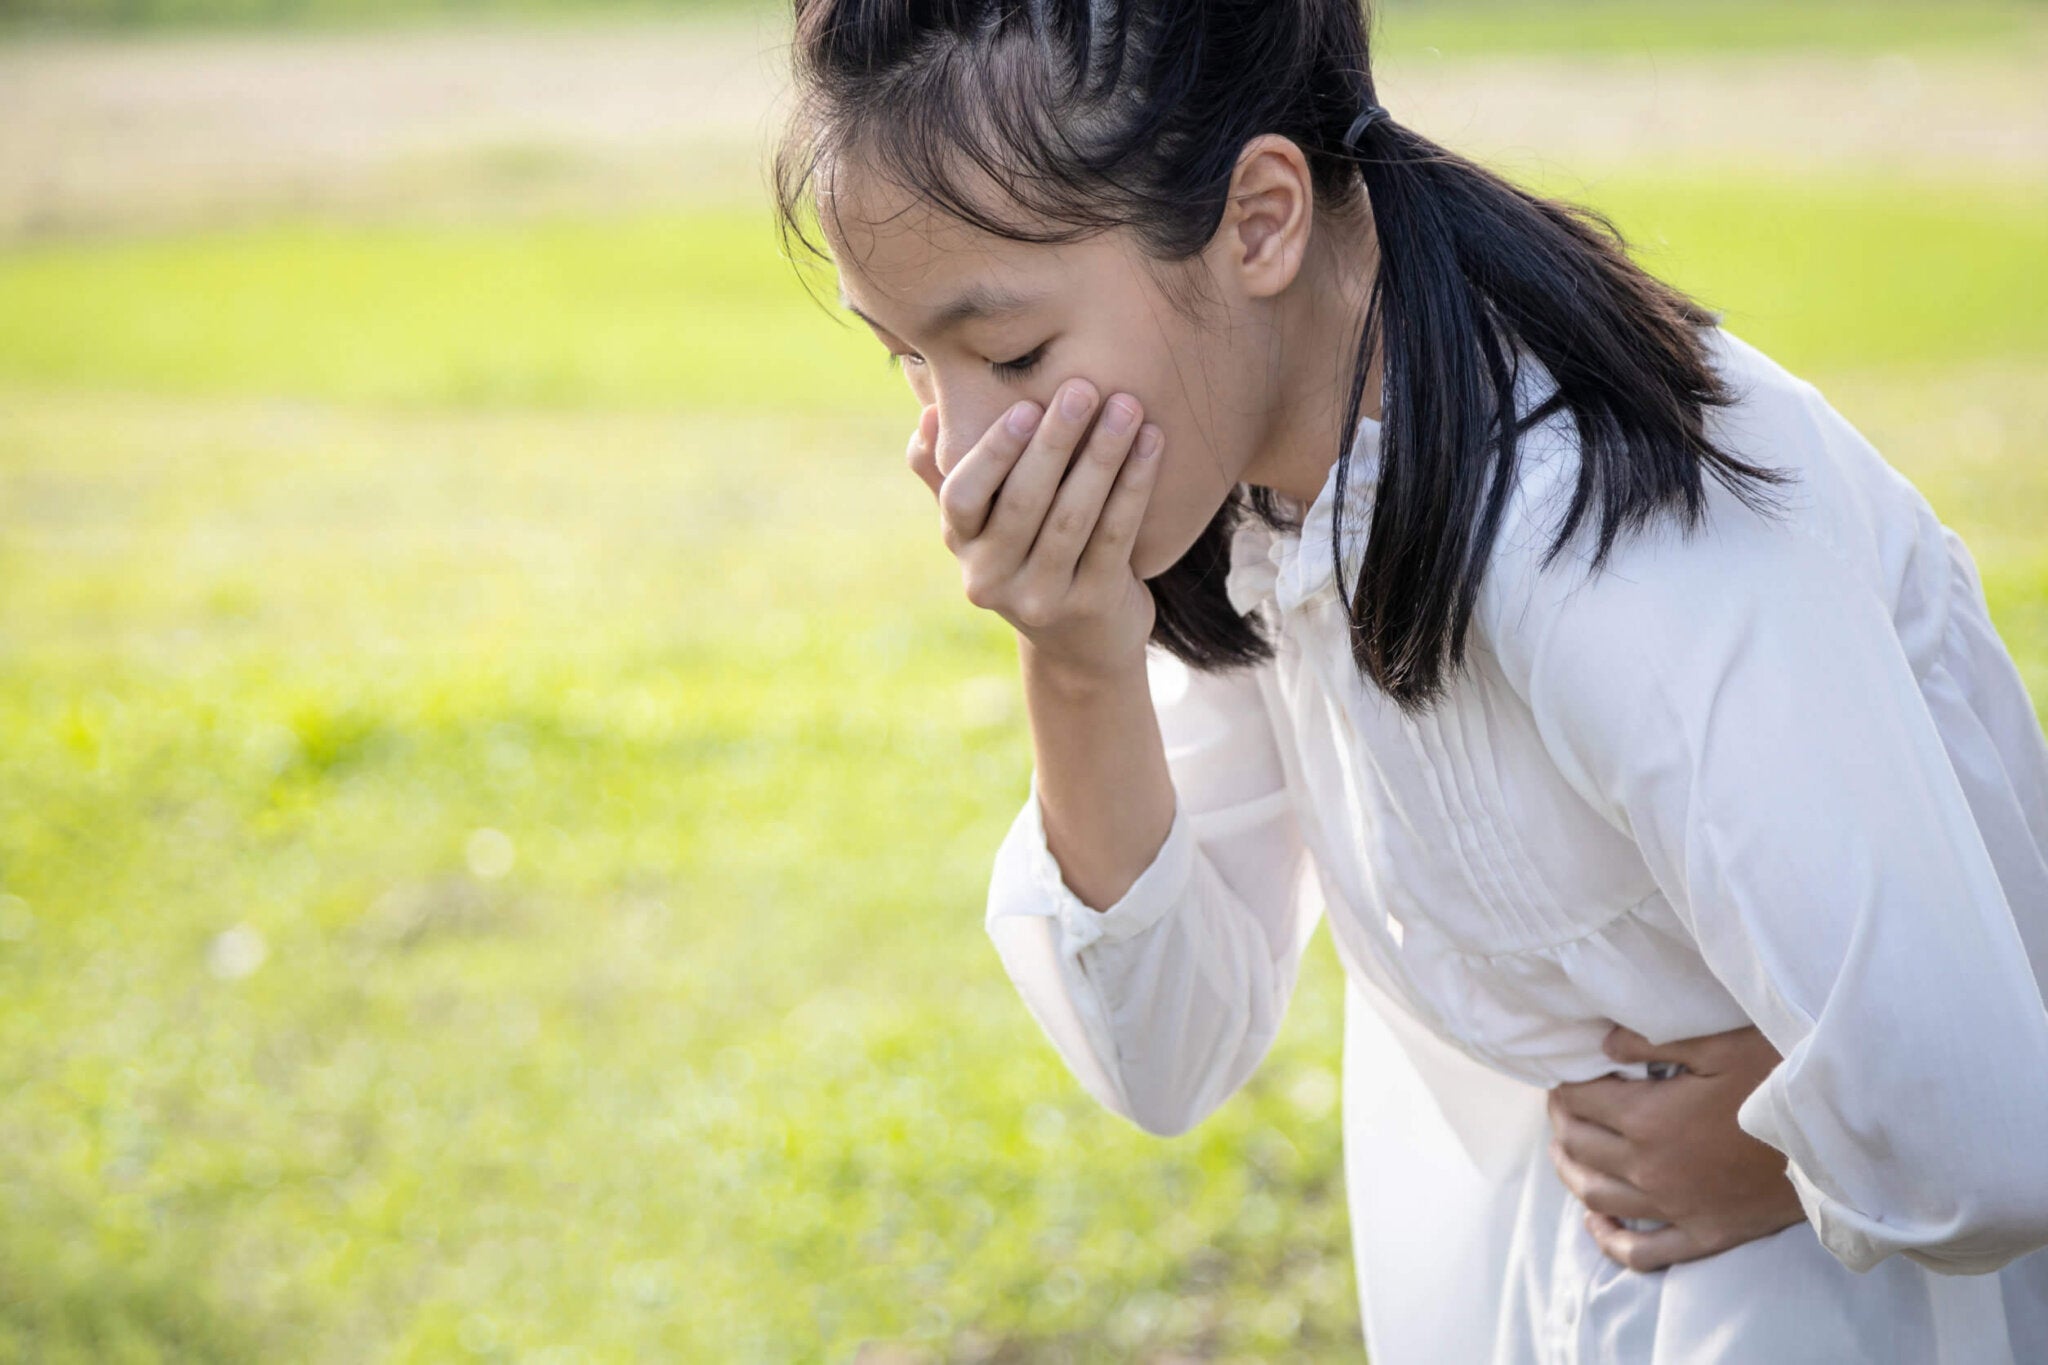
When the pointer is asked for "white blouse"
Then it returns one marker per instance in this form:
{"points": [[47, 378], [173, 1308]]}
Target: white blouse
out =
{"points": [[1779, 771]]}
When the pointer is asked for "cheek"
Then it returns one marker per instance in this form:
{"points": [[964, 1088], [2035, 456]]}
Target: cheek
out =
{"points": [[1185, 499]]}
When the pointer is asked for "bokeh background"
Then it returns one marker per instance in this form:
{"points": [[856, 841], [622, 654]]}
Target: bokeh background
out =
{"points": [[497, 776]]}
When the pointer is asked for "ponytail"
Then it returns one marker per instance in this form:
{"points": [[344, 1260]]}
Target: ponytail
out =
{"points": [[1469, 265]]}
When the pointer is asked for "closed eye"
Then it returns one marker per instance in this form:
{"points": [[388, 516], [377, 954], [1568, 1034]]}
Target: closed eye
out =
{"points": [[1020, 367]]}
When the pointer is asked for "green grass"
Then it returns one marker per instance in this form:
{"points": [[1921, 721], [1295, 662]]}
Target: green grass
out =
{"points": [[1406, 27], [1838, 274], [496, 784], [699, 312], [1621, 28], [651, 311], [721, 1069], [307, 16]]}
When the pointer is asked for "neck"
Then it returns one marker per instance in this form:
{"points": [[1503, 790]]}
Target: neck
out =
{"points": [[1318, 320]]}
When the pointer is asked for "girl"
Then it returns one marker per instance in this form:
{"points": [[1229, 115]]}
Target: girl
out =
{"points": [[1390, 547]]}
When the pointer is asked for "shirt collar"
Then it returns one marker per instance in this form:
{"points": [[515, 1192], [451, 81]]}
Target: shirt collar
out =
{"points": [[1294, 567]]}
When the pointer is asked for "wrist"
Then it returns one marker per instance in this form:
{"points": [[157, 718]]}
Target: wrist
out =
{"points": [[1075, 680]]}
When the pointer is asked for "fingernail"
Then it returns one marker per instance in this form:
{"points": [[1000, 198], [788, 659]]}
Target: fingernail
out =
{"points": [[1074, 401], [1118, 416], [1023, 418], [1148, 442]]}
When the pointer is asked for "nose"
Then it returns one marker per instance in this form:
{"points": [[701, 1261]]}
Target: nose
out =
{"points": [[952, 447], [960, 427]]}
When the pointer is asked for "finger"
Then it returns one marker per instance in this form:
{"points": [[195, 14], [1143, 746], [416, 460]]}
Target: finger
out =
{"points": [[1596, 1147], [1021, 503], [1644, 1251], [1626, 1045], [1600, 1192], [969, 488], [1116, 530], [1577, 1101], [1744, 1050], [1609, 1101], [1078, 504]]}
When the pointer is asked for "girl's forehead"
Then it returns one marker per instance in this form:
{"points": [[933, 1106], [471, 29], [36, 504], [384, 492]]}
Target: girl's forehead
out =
{"points": [[916, 238], [950, 274], [884, 235]]}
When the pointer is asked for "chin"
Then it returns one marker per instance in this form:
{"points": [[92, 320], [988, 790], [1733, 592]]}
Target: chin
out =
{"points": [[1158, 548], [1148, 560]]}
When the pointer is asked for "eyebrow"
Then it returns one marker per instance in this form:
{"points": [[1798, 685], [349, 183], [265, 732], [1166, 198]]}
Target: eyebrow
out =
{"points": [[977, 301]]}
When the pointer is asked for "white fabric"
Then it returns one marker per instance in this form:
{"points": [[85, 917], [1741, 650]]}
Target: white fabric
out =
{"points": [[1781, 770]]}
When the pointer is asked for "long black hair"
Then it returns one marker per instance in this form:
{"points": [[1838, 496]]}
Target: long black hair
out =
{"points": [[1099, 114]]}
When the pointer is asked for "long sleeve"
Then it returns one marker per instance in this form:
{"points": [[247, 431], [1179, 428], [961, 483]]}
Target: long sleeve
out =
{"points": [[1163, 1004], [1740, 702]]}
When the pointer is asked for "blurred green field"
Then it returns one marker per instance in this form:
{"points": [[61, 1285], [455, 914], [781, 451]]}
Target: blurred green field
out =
{"points": [[1463, 27], [698, 310], [497, 779]]}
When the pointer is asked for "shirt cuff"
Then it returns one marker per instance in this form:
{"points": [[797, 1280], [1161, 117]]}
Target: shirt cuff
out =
{"points": [[1853, 1238], [1163, 882]]}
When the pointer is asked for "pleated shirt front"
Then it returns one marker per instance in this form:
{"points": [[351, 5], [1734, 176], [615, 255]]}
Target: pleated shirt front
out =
{"points": [[1778, 769]]}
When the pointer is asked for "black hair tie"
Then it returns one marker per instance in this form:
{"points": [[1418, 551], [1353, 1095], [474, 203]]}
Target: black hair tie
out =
{"points": [[1367, 117]]}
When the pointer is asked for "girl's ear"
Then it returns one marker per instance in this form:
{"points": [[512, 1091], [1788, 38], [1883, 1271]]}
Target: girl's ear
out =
{"points": [[1265, 229]]}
